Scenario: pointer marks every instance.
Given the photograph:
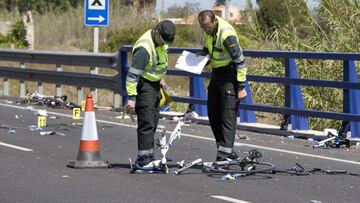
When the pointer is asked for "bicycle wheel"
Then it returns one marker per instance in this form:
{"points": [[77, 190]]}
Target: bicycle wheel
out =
{"points": [[249, 168]]}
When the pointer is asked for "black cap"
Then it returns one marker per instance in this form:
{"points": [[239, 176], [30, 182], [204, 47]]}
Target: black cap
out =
{"points": [[166, 30]]}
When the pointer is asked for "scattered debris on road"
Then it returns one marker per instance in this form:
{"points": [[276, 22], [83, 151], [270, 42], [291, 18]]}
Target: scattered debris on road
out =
{"points": [[52, 133], [50, 101]]}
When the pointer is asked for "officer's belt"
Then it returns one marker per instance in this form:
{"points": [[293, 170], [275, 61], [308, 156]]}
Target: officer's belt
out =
{"points": [[142, 79], [222, 68]]}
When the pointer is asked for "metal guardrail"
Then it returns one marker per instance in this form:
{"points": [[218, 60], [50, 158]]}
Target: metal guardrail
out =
{"points": [[58, 77], [293, 110]]}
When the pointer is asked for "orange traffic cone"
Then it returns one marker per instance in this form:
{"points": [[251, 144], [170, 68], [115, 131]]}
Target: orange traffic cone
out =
{"points": [[89, 155]]}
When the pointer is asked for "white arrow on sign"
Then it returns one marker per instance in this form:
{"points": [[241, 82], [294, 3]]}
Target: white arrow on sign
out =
{"points": [[100, 18]]}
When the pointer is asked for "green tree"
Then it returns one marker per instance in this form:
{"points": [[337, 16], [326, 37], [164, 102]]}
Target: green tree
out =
{"points": [[273, 14], [333, 28], [38, 5], [182, 11], [220, 2], [15, 38]]}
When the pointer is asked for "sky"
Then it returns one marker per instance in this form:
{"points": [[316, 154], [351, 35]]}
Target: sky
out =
{"points": [[206, 4]]}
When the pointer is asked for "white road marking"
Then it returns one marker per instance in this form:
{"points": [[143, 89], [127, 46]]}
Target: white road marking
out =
{"points": [[16, 147], [209, 139], [229, 199]]}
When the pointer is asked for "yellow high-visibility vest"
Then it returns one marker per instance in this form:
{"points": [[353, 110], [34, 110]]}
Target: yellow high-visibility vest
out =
{"points": [[156, 68], [219, 54]]}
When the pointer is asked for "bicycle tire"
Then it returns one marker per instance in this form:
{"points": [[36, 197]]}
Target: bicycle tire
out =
{"points": [[263, 167]]}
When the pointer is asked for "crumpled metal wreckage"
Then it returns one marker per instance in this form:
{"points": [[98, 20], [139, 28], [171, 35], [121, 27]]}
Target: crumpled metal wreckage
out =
{"points": [[50, 101]]}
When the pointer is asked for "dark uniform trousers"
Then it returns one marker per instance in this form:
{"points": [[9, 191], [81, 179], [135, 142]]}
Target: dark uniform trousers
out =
{"points": [[147, 110], [222, 108]]}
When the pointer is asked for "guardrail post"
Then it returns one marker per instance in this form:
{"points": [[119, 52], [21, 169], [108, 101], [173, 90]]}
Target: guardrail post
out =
{"points": [[94, 71], [58, 92], [6, 87], [80, 95], [117, 83], [247, 115], [293, 96], [351, 98], [40, 88], [124, 69], [117, 100], [117, 92], [22, 83], [197, 89]]}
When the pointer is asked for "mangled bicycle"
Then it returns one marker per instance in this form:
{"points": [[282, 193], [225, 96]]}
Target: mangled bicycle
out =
{"points": [[160, 165], [247, 165], [244, 166], [232, 168]]}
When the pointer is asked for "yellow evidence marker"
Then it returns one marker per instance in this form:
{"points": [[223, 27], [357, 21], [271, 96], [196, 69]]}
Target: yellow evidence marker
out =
{"points": [[76, 113], [41, 121]]}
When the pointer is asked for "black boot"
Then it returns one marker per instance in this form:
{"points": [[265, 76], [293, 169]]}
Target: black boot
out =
{"points": [[233, 155], [144, 162]]}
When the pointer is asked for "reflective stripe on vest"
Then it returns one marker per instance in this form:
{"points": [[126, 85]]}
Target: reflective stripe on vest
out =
{"points": [[219, 43]]}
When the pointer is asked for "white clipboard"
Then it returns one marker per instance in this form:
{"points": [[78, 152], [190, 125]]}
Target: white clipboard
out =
{"points": [[191, 62]]}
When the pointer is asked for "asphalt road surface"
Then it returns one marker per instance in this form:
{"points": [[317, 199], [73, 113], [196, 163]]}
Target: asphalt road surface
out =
{"points": [[33, 166]]}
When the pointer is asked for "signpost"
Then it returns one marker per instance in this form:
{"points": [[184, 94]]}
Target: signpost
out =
{"points": [[96, 14]]}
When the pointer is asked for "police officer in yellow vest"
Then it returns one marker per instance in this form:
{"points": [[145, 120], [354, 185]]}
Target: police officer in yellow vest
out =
{"points": [[227, 82], [143, 81]]}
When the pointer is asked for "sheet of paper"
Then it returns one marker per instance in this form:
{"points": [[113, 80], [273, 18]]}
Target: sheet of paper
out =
{"points": [[191, 62]]}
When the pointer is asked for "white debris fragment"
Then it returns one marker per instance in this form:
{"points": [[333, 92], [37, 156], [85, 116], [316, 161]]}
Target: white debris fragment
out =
{"points": [[12, 131], [190, 115], [180, 164], [59, 133], [228, 177], [34, 127], [47, 133], [29, 108], [52, 133], [42, 112], [330, 130]]}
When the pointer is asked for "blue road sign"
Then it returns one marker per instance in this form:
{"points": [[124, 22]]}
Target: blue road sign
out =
{"points": [[96, 13]]}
